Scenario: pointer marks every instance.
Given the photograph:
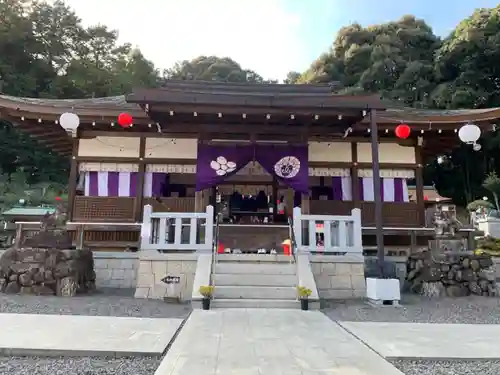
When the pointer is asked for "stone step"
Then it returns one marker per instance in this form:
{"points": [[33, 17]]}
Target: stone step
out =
{"points": [[255, 303], [255, 292], [255, 280], [255, 268], [255, 258]]}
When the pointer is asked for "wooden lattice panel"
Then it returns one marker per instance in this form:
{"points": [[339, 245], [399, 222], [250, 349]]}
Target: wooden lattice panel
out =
{"points": [[171, 204], [395, 214], [319, 207], [112, 209]]}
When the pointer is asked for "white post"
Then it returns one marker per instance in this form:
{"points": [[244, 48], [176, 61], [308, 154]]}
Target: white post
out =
{"points": [[146, 226], [297, 228], [209, 227], [356, 230]]}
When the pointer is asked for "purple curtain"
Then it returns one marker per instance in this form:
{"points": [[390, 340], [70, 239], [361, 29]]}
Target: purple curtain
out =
{"points": [[288, 163], [217, 162]]}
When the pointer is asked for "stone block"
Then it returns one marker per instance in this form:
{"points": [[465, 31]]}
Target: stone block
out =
{"points": [[145, 266], [129, 264], [159, 269], [100, 264], [358, 269], [129, 275], [342, 269], [141, 293], [158, 291], [145, 280], [103, 274], [341, 282], [359, 293], [358, 282], [328, 268], [114, 263], [316, 268], [335, 294], [117, 274], [323, 281], [188, 267], [174, 267]]}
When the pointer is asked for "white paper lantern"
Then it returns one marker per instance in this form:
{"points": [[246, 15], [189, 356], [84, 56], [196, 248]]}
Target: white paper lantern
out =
{"points": [[469, 133], [69, 121]]}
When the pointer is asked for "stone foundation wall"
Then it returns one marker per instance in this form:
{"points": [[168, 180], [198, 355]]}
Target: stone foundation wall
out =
{"points": [[155, 266], [339, 277], [116, 269]]}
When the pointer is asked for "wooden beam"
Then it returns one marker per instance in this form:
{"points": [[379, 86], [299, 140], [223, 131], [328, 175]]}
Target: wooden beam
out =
{"points": [[419, 182], [73, 176], [139, 200], [354, 176]]}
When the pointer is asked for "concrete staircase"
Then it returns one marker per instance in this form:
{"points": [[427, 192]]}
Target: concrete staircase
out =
{"points": [[255, 281]]}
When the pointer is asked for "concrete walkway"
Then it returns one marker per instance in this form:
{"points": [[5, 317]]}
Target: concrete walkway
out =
{"points": [[58, 335], [268, 342], [429, 341]]}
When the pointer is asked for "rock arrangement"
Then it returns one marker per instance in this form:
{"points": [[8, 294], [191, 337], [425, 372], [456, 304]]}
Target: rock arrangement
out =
{"points": [[46, 271], [452, 275], [46, 263]]}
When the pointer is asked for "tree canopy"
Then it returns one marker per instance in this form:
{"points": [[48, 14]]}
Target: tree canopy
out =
{"points": [[46, 52]]}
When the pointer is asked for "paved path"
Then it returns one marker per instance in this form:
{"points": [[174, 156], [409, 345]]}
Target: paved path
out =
{"points": [[429, 341], [56, 335], [268, 342]]}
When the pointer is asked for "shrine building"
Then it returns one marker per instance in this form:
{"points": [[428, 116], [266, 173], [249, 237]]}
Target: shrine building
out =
{"points": [[189, 145]]}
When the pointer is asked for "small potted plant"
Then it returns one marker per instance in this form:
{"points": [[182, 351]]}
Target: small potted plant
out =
{"points": [[304, 294], [207, 293]]}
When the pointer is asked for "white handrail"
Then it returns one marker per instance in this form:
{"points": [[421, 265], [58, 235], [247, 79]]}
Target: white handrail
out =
{"points": [[167, 231], [340, 234]]}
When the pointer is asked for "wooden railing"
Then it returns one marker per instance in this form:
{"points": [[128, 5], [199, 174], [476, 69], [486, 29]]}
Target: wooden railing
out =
{"points": [[337, 234], [167, 231]]}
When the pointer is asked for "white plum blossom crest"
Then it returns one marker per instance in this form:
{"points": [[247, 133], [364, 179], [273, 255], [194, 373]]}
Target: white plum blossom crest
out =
{"points": [[287, 167], [222, 166]]}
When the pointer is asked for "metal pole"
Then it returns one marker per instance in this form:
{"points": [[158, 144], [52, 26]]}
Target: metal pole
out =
{"points": [[376, 192]]}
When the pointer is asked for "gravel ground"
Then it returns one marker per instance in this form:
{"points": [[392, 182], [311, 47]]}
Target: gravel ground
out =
{"points": [[468, 310], [448, 367], [105, 303], [78, 366]]}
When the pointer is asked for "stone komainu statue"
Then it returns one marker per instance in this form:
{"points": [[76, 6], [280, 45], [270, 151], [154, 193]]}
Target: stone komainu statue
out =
{"points": [[445, 222]]}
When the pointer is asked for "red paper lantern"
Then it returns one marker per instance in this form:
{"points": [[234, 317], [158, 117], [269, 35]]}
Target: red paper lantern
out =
{"points": [[124, 120], [402, 131]]}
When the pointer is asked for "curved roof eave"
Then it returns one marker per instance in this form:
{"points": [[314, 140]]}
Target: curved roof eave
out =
{"points": [[112, 106]]}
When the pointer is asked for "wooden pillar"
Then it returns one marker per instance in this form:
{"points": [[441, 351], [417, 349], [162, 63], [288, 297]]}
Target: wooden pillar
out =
{"points": [[139, 199], [73, 177], [419, 184], [289, 200], [275, 197], [198, 201], [354, 176], [305, 206]]}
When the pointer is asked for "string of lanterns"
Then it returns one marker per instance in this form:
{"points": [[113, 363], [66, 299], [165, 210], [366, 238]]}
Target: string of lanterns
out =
{"points": [[468, 134], [70, 122]]}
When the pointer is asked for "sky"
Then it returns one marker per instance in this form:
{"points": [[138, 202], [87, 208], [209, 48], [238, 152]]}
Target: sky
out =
{"points": [[271, 37]]}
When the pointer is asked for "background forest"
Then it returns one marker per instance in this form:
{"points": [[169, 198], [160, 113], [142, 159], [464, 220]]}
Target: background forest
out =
{"points": [[45, 52]]}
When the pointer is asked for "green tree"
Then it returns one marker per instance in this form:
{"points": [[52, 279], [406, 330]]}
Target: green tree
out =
{"points": [[212, 68]]}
